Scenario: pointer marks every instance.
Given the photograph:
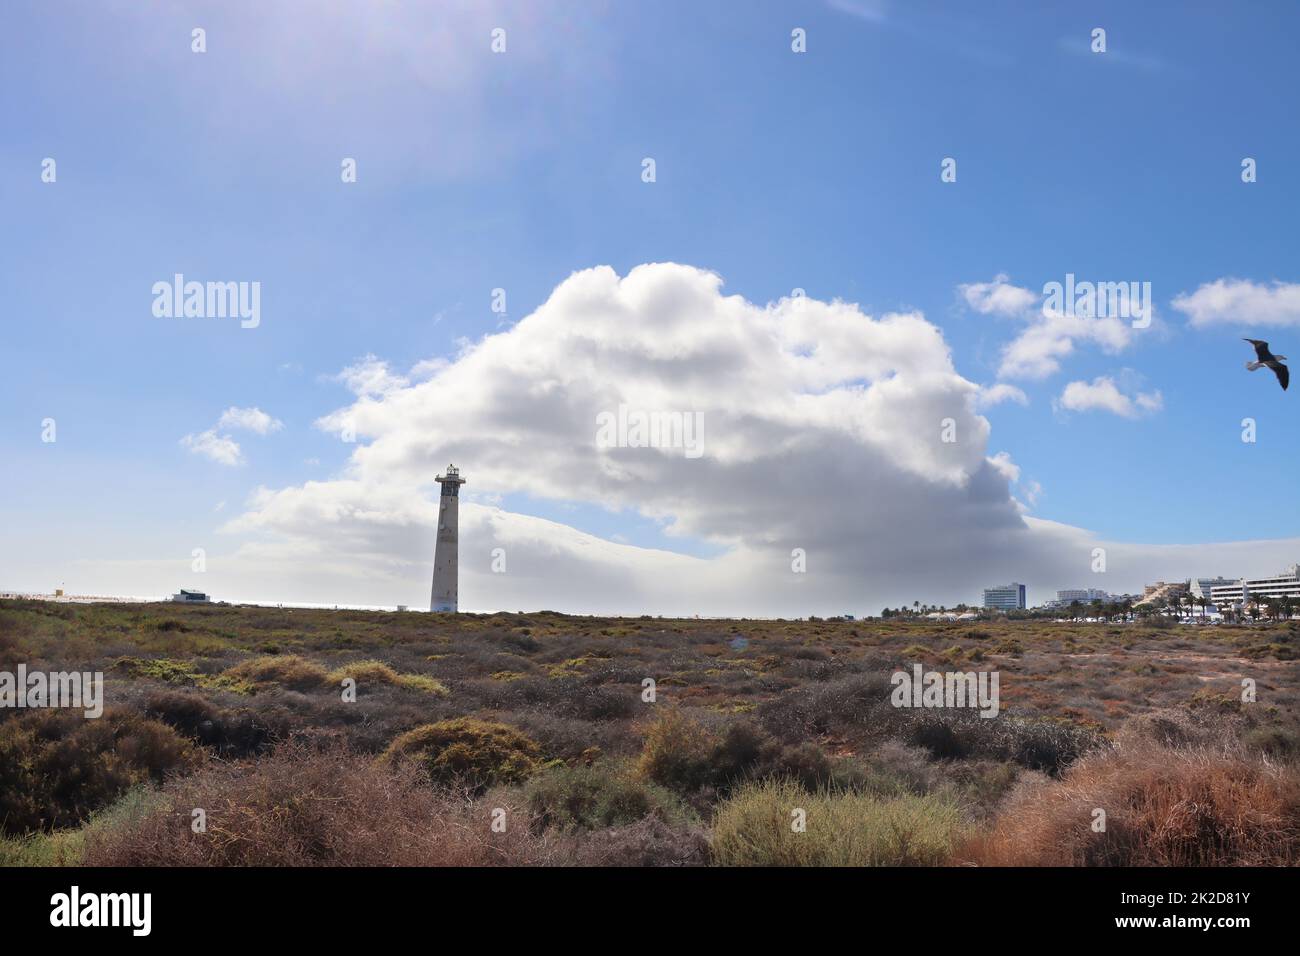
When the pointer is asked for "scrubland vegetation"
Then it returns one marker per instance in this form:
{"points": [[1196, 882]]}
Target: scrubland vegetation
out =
{"points": [[527, 740]]}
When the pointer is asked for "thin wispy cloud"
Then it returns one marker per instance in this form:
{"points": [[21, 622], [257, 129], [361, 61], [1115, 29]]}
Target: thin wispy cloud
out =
{"points": [[992, 395], [873, 11], [249, 419], [216, 444], [1081, 46]]}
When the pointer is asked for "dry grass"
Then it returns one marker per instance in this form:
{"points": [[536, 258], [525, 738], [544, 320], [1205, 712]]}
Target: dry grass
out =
{"points": [[287, 670], [372, 673], [757, 827]]}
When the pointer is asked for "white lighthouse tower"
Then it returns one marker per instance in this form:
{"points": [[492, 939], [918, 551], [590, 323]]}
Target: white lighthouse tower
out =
{"points": [[444, 555]]}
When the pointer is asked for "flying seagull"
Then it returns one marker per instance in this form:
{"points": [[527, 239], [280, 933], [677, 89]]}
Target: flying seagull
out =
{"points": [[1272, 361]]}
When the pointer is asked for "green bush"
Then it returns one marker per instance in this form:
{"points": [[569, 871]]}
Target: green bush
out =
{"points": [[179, 672], [466, 751], [756, 827]]}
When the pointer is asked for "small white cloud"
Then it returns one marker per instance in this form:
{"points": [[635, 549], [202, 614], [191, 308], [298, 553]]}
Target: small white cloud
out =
{"points": [[1048, 337], [990, 395], [222, 449], [1038, 351], [1102, 394], [1241, 302], [1005, 466], [250, 419], [998, 297], [370, 378]]}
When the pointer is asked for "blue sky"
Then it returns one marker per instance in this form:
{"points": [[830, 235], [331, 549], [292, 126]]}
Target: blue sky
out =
{"points": [[478, 171]]}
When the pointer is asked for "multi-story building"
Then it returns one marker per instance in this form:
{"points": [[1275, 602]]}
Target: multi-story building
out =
{"points": [[1202, 587], [1082, 595], [1284, 584], [1005, 597]]}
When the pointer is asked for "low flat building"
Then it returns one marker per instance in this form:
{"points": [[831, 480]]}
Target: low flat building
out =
{"points": [[1082, 595], [190, 597]]}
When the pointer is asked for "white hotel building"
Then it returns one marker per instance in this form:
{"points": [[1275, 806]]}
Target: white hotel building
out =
{"points": [[1203, 587], [1285, 584], [1005, 597]]}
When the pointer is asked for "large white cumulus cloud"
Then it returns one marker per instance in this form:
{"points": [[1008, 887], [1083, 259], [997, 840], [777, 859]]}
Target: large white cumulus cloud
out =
{"points": [[824, 430]]}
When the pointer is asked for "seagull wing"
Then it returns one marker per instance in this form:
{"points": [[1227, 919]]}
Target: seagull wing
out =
{"points": [[1261, 349], [1282, 372]]}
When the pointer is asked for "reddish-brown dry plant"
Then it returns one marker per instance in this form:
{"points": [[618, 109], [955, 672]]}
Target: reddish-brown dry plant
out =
{"points": [[1191, 806], [306, 807]]}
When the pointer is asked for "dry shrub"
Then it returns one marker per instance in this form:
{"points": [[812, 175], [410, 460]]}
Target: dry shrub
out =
{"points": [[1164, 807], [601, 796], [562, 696], [57, 767], [302, 806], [683, 755], [842, 706], [11, 649], [468, 752], [650, 842], [231, 733], [287, 670], [676, 752]]}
